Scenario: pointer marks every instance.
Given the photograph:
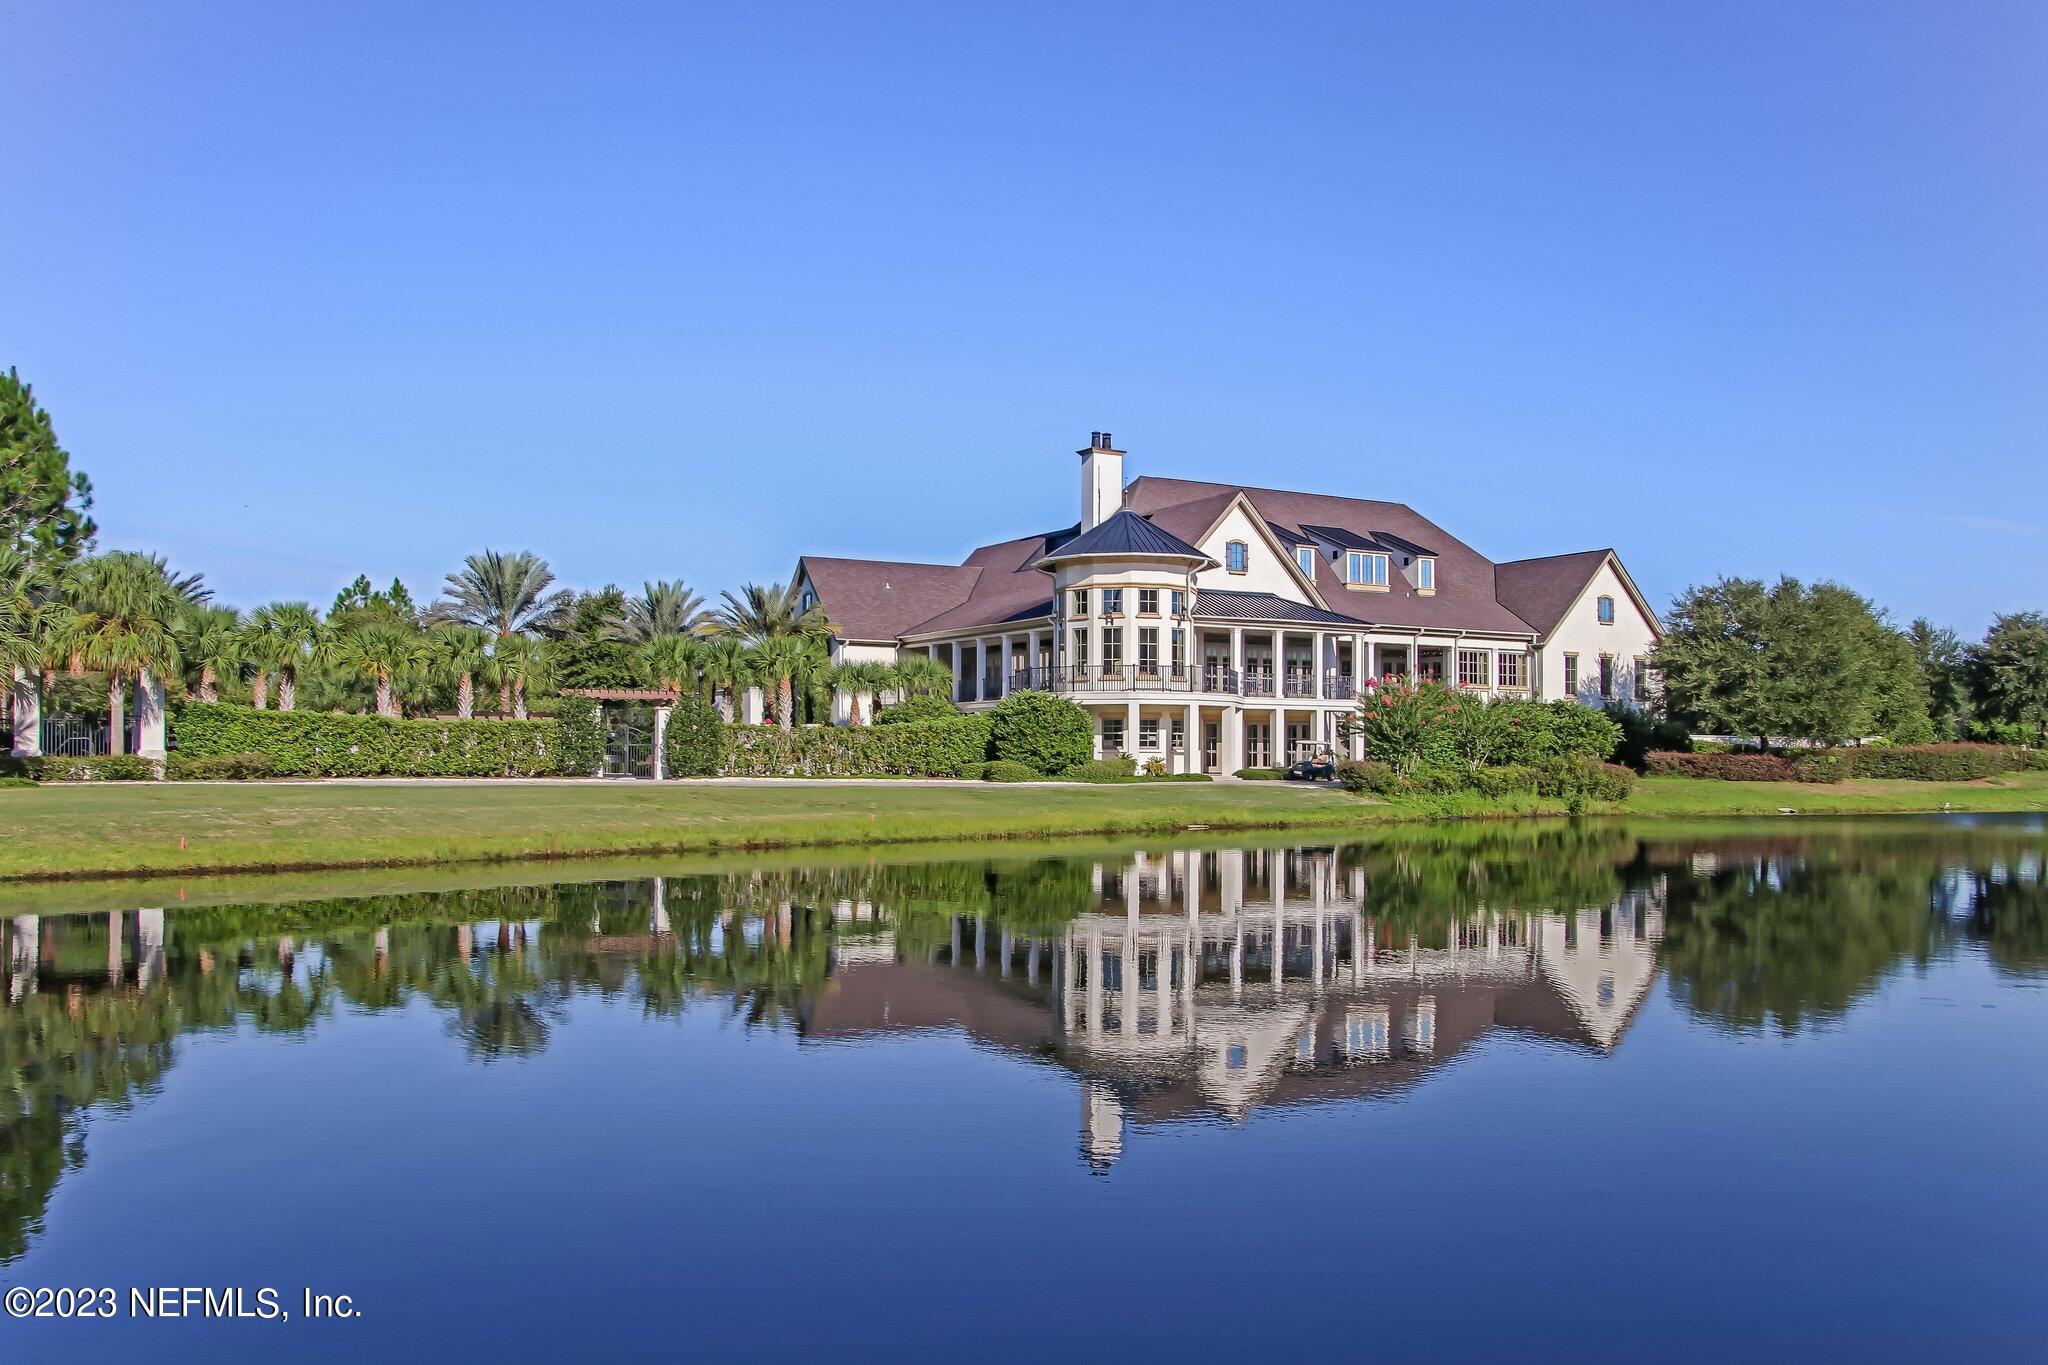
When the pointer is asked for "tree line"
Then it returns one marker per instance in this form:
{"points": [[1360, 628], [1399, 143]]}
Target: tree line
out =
{"points": [[1820, 663]]}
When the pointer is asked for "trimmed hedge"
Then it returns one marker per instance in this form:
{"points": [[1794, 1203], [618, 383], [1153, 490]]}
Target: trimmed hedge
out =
{"points": [[926, 748], [579, 736], [1041, 731], [96, 768], [1903, 762], [182, 767], [1103, 770], [318, 744], [1003, 770], [1723, 767], [1260, 774], [913, 709], [1939, 762], [1577, 779], [694, 743]]}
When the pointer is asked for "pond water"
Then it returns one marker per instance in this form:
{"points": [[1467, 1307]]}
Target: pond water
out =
{"points": [[1542, 1091]]}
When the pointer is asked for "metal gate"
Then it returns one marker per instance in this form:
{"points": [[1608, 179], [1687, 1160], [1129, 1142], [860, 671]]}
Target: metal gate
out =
{"points": [[628, 740], [80, 736]]}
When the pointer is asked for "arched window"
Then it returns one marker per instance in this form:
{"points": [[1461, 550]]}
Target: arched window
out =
{"points": [[1606, 608], [1236, 557]]}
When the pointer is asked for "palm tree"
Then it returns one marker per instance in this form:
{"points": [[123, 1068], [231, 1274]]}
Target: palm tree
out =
{"points": [[520, 662], [662, 608], [505, 594], [727, 669], [383, 654], [210, 639], [765, 613], [779, 659], [920, 675], [124, 607], [673, 661], [281, 639], [190, 586], [861, 680], [461, 652]]}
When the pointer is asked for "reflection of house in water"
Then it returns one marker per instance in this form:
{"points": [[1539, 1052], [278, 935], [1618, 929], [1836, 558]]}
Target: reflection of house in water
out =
{"points": [[1214, 983]]}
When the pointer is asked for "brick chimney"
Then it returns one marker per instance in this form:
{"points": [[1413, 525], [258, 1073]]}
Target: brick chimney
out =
{"points": [[1102, 480]]}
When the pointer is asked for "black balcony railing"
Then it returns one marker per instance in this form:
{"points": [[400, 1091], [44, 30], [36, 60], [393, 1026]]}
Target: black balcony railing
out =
{"points": [[1210, 679]]}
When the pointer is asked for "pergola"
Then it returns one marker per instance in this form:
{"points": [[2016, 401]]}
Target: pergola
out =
{"points": [[661, 699]]}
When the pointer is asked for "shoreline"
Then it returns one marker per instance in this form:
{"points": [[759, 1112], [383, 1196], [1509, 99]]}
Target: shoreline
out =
{"points": [[68, 834]]}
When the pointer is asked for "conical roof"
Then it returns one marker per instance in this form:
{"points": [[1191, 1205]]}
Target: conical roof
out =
{"points": [[1126, 535]]}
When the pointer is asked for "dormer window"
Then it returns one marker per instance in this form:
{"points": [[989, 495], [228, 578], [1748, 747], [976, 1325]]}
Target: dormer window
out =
{"points": [[1365, 569], [1305, 555], [1425, 573], [1605, 607], [1236, 557]]}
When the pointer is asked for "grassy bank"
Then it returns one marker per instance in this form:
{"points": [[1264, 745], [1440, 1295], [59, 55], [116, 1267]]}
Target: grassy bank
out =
{"points": [[133, 830]]}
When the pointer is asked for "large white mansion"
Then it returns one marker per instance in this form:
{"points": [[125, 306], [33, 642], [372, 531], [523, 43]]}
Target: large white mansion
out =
{"points": [[1217, 626]]}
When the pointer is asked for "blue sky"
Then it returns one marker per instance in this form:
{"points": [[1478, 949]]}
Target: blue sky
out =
{"points": [[685, 291]]}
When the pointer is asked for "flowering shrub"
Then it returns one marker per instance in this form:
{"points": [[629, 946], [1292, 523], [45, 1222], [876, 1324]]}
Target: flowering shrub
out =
{"points": [[1407, 724]]}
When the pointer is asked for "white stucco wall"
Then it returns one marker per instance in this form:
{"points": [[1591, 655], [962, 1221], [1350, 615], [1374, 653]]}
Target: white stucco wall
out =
{"points": [[1580, 632], [1265, 571]]}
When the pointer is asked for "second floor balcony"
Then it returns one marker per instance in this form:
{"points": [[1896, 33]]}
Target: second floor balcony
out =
{"points": [[1208, 680]]}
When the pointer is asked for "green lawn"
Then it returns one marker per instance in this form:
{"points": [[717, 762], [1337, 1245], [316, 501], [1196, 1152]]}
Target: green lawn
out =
{"points": [[75, 829], [1701, 796], [124, 829]]}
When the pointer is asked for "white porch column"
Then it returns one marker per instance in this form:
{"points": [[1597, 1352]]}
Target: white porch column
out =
{"points": [[956, 672], [661, 714], [1007, 666], [1237, 653], [149, 717], [1320, 660], [1230, 739], [1191, 751], [28, 715], [753, 706], [1130, 728]]}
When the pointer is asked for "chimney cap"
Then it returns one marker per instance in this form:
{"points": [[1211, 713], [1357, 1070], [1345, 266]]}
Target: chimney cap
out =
{"points": [[1099, 441]]}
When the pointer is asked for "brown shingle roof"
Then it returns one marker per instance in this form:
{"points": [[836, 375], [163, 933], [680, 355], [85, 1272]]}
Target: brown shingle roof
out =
{"points": [[1540, 591], [881, 599], [1464, 598]]}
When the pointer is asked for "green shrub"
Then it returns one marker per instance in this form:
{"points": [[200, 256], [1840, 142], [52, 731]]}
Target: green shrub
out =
{"points": [[929, 748], [1155, 767], [1509, 779], [1103, 770], [579, 736], [915, 709], [1439, 779], [1003, 770], [96, 768], [184, 767], [694, 743], [1643, 733], [1938, 762], [319, 744], [1260, 774], [1041, 731], [1359, 776], [1825, 765], [2036, 760], [1579, 781], [14, 780], [1180, 777]]}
